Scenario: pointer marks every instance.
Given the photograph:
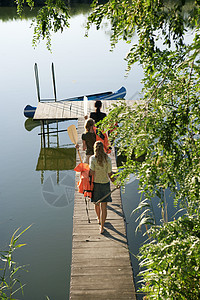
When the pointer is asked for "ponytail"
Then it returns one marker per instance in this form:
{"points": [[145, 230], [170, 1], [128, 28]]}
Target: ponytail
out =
{"points": [[89, 123], [99, 153]]}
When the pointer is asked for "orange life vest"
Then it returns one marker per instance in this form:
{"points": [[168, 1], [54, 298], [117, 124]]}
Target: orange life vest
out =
{"points": [[85, 184], [103, 137]]}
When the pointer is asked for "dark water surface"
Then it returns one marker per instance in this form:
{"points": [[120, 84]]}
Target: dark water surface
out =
{"points": [[32, 191]]}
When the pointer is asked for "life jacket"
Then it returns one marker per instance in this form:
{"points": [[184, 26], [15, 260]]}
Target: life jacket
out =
{"points": [[85, 184], [114, 127], [103, 137]]}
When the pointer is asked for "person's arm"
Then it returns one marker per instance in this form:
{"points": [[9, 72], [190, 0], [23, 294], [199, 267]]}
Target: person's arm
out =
{"points": [[91, 173], [91, 165], [110, 173], [110, 176], [84, 145]]}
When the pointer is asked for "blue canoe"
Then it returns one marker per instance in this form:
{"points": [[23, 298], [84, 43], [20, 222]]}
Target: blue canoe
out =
{"points": [[29, 110]]}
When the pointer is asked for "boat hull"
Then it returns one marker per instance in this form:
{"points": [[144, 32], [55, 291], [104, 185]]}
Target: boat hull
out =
{"points": [[29, 111]]}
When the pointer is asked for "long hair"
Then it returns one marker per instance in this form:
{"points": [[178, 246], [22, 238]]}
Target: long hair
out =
{"points": [[99, 153], [89, 123]]}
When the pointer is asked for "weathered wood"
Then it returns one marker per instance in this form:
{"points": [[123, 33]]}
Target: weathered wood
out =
{"points": [[97, 294], [101, 267], [62, 110]]}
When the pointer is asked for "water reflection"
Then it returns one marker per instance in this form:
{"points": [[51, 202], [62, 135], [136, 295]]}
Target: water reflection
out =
{"points": [[58, 160], [10, 13], [62, 194], [30, 124]]}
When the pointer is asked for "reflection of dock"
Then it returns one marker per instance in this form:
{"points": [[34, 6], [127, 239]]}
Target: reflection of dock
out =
{"points": [[54, 156], [58, 187], [53, 159]]}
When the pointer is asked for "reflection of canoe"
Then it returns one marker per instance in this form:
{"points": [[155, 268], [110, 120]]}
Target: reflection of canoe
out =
{"points": [[29, 110], [30, 124]]}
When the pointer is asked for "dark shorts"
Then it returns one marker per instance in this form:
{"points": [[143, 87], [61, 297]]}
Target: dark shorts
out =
{"points": [[100, 190]]}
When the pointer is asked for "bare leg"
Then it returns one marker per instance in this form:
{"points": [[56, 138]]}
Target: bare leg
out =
{"points": [[103, 215], [97, 209]]}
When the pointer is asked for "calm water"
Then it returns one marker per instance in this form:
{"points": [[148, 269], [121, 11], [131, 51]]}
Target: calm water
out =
{"points": [[44, 198]]}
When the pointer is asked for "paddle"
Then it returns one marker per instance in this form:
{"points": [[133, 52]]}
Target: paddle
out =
{"points": [[104, 197], [85, 100], [73, 137]]}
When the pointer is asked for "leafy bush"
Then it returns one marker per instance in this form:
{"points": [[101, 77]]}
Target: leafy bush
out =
{"points": [[9, 282], [171, 261]]}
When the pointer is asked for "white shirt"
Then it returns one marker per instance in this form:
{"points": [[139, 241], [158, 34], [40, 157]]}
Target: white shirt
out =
{"points": [[101, 173]]}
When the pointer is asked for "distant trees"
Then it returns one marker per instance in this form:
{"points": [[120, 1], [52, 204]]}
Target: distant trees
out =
{"points": [[13, 2]]}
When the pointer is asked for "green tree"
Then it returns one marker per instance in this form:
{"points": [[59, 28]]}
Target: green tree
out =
{"points": [[164, 128], [159, 135], [53, 16]]}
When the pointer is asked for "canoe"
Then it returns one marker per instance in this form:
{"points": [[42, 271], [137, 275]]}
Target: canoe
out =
{"points": [[29, 110], [119, 94]]}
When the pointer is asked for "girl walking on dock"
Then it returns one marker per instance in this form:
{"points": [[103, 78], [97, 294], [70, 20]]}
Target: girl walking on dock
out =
{"points": [[101, 168], [88, 139]]}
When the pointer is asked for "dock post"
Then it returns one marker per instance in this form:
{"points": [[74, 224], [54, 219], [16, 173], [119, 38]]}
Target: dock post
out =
{"points": [[43, 133], [54, 81], [37, 81]]}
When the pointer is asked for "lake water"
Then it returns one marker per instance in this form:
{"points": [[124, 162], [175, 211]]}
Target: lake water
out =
{"points": [[41, 196]]}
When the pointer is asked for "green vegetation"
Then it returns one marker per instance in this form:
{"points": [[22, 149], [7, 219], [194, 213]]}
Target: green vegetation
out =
{"points": [[163, 127], [9, 282], [48, 16]]}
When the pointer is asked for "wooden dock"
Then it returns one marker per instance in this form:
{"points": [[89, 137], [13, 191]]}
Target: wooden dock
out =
{"points": [[101, 267], [62, 110]]}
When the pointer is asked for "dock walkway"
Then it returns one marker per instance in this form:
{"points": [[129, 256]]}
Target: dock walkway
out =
{"points": [[101, 267]]}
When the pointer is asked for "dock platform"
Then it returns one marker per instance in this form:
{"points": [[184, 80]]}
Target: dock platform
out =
{"points": [[63, 110]]}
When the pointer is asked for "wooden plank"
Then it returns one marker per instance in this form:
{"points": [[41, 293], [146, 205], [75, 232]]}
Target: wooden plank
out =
{"points": [[59, 111], [101, 293], [101, 271], [98, 263]]}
